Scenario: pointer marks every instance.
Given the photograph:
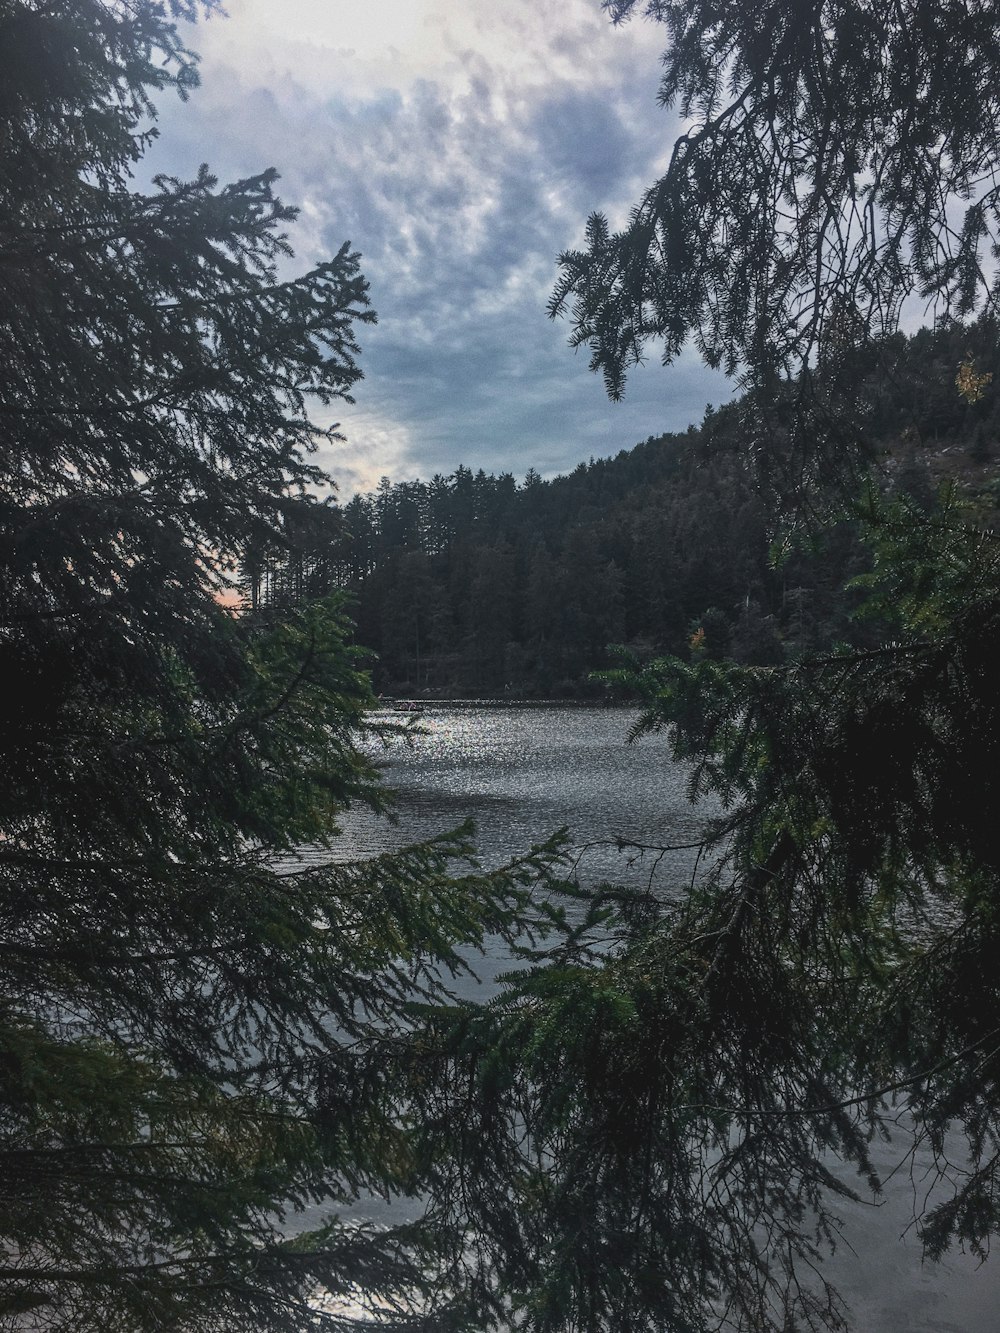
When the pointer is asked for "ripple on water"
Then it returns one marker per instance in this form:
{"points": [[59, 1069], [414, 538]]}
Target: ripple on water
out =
{"points": [[523, 772]]}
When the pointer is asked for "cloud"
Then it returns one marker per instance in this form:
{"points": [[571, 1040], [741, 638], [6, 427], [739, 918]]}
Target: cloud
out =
{"points": [[586, 144], [460, 167]]}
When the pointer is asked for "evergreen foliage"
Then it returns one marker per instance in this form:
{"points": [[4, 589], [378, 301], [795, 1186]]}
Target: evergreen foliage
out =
{"points": [[693, 1106], [646, 548], [840, 158], [197, 1038], [840, 161], [522, 595]]}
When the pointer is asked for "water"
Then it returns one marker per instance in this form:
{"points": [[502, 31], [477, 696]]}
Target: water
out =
{"points": [[522, 772]]}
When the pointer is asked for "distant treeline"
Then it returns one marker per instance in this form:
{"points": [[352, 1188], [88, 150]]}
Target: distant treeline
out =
{"points": [[474, 583]]}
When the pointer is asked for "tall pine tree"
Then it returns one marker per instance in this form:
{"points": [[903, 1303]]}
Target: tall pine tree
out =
{"points": [[196, 1038]]}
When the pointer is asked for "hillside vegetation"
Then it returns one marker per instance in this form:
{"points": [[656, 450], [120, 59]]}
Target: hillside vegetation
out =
{"points": [[474, 583]]}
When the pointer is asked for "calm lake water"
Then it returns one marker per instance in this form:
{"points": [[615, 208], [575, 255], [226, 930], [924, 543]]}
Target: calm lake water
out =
{"points": [[521, 773]]}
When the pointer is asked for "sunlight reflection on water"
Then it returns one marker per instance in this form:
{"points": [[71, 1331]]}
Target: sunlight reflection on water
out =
{"points": [[523, 772]]}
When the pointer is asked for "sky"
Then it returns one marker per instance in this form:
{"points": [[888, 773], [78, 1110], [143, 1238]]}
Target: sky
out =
{"points": [[459, 145]]}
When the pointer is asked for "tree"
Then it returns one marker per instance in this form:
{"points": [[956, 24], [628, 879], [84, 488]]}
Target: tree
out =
{"points": [[679, 1104], [197, 1037], [840, 161]]}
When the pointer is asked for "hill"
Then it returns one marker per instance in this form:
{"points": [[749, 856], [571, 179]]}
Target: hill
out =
{"points": [[475, 584]]}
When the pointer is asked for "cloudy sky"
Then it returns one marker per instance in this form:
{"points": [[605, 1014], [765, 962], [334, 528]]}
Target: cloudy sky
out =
{"points": [[459, 145]]}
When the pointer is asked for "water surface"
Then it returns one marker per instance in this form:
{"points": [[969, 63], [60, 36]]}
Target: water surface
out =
{"points": [[523, 771]]}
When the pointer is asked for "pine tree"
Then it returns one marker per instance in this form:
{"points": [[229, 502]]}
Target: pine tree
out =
{"points": [[197, 1037], [840, 159], [666, 1132]]}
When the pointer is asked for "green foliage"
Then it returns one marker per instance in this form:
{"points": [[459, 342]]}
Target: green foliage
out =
{"points": [[657, 1133], [839, 159], [678, 1114], [523, 594], [200, 1036], [470, 584]]}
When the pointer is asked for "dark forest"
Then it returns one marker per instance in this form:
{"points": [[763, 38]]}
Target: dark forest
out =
{"points": [[474, 584]]}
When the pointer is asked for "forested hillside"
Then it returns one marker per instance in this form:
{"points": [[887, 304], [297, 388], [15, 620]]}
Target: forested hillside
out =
{"points": [[475, 583]]}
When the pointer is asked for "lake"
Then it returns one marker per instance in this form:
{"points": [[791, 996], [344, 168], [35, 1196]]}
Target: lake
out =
{"points": [[523, 771]]}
